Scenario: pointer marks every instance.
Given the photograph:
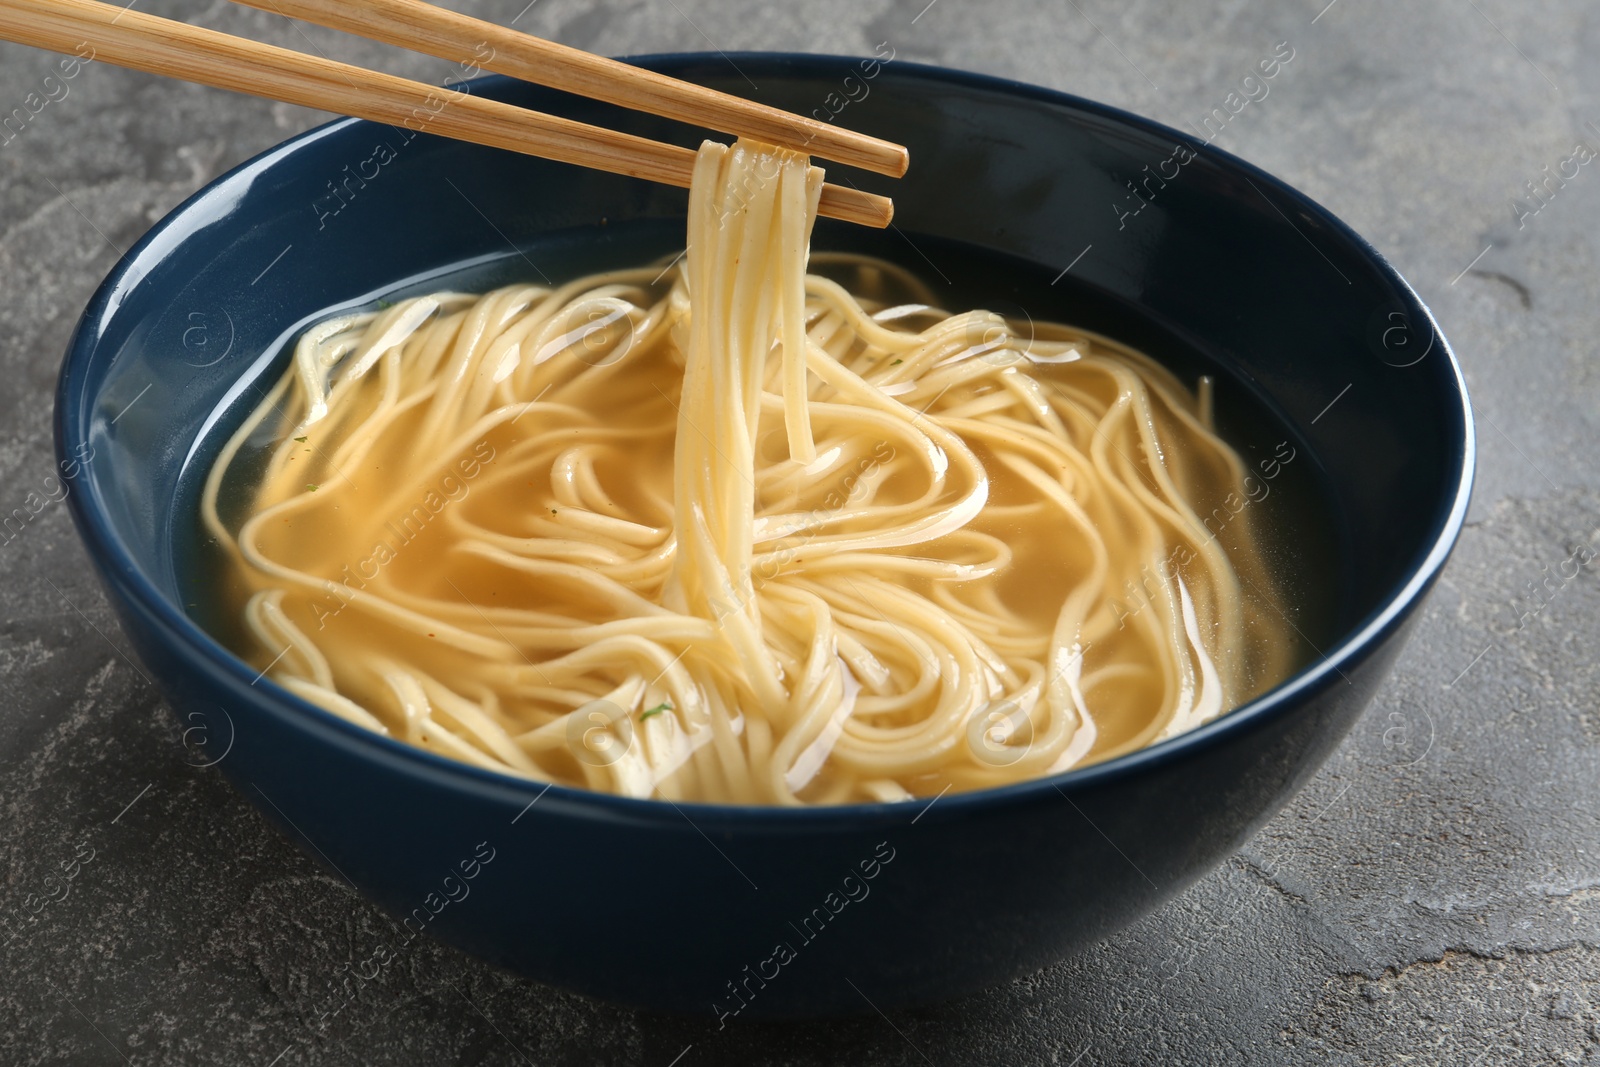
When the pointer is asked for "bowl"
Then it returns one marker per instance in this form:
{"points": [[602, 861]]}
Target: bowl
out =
{"points": [[740, 912]]}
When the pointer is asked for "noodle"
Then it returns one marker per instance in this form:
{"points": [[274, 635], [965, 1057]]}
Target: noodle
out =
{"points": [[733, 532]]}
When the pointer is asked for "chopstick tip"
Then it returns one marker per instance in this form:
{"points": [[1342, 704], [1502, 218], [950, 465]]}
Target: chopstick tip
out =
{"points": [[849, 204]]}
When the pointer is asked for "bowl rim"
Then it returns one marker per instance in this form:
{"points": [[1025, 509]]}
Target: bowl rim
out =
{"points": [[199, 648]]}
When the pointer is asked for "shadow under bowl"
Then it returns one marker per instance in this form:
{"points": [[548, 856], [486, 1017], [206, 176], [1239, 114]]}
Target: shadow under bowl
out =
{"points": [[762, 912]]}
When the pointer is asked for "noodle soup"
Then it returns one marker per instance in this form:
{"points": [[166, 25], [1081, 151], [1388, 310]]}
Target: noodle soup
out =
{"points": [[719, 529]]}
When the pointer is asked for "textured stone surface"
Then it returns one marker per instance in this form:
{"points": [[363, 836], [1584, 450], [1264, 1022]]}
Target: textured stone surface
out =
{"points": [[1432, 897]]}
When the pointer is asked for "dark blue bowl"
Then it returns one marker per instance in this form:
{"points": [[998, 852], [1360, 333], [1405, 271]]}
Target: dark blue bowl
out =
{"points": [[760, 911]]}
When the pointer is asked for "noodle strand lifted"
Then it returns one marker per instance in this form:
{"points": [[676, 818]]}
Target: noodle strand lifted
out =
{"points": [[736, 532]]}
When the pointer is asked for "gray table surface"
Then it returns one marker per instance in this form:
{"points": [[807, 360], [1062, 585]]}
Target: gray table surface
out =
{"points": [[1432, 897]]}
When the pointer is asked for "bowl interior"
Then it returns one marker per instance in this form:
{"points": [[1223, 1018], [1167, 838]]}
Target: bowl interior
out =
{"points": [[1111, 222]]}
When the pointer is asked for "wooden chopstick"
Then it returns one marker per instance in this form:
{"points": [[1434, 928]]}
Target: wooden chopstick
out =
{"points": [[422, 27], [127, 38]]}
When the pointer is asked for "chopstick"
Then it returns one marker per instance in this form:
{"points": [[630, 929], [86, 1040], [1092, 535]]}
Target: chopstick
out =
{"points": [[422, 27], [127, 38]]}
